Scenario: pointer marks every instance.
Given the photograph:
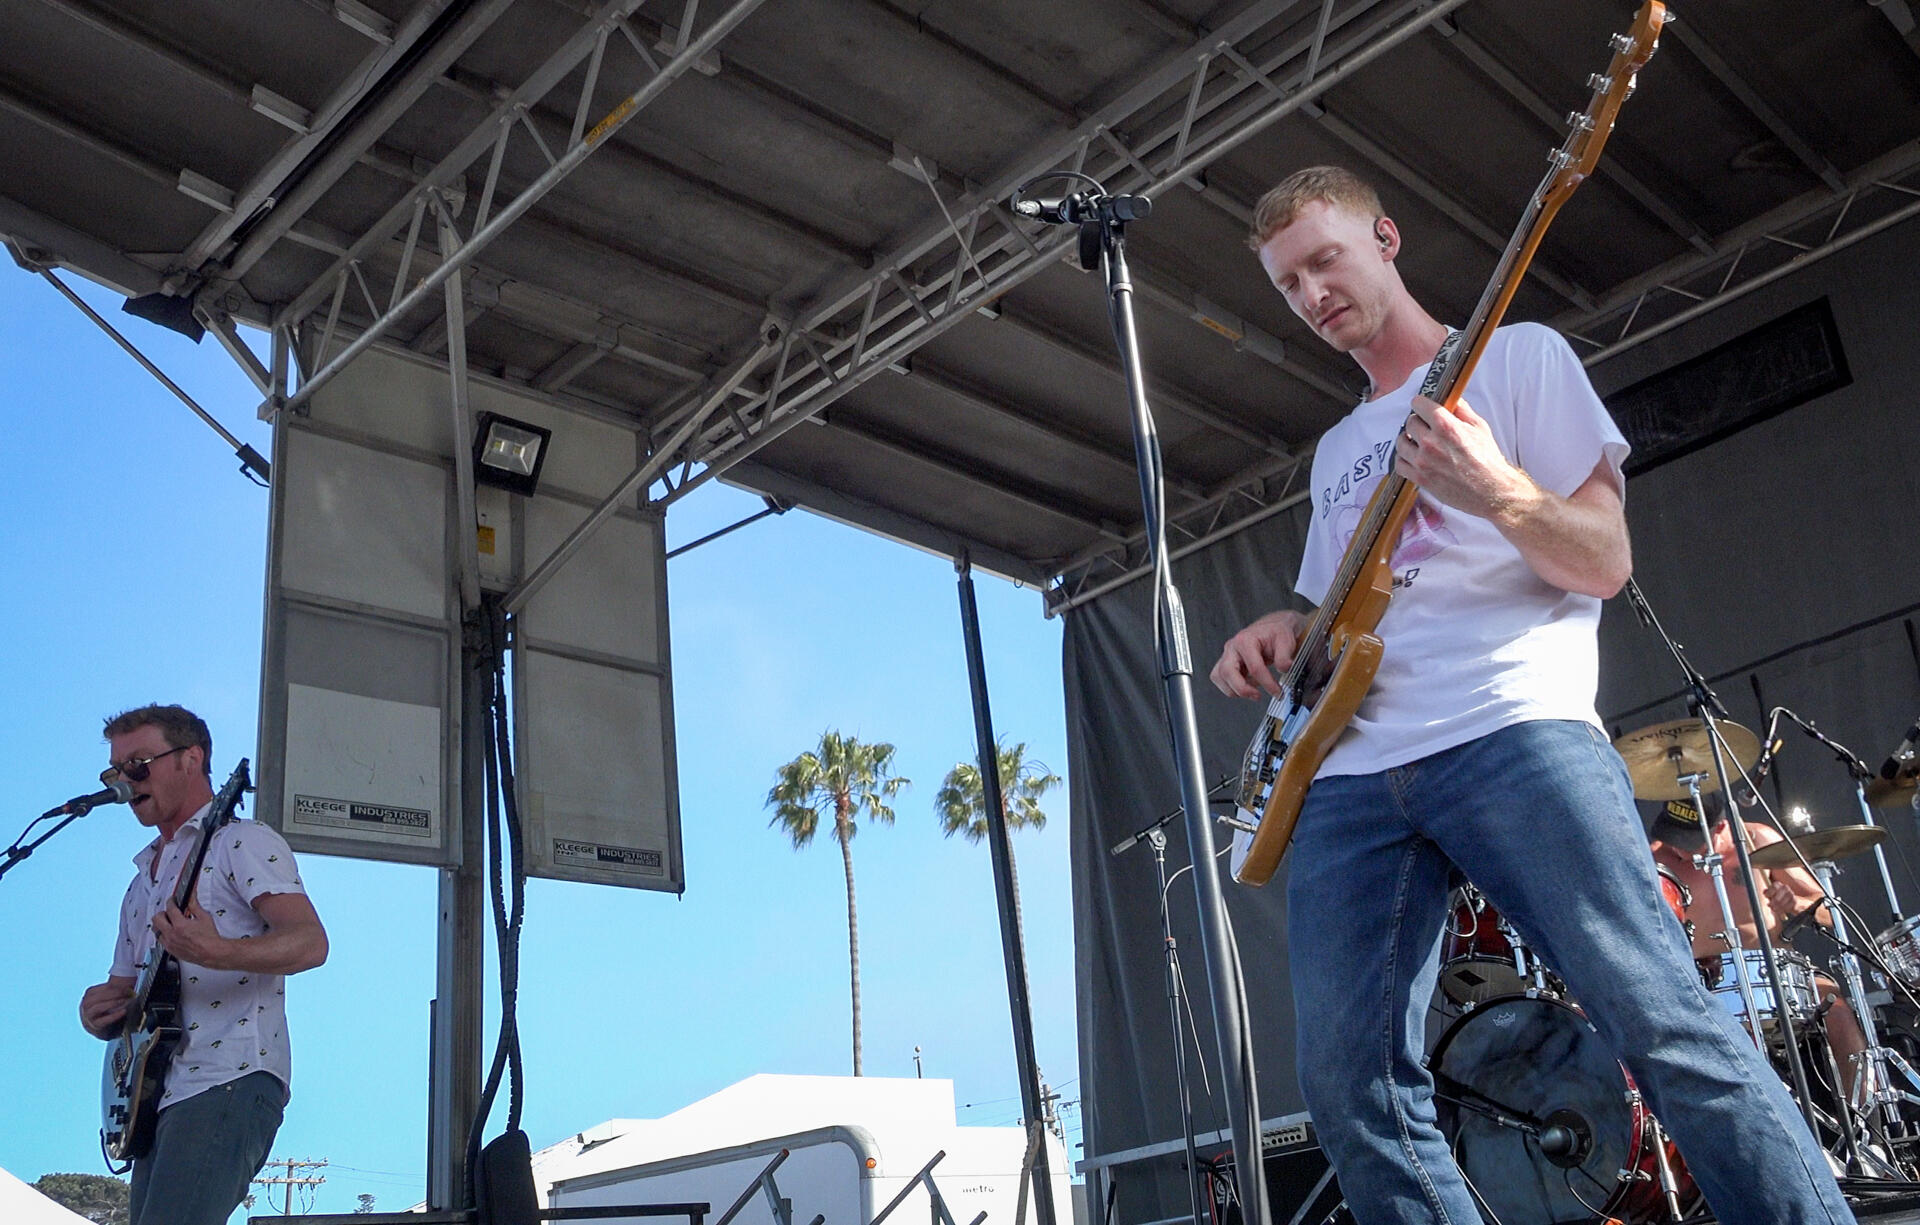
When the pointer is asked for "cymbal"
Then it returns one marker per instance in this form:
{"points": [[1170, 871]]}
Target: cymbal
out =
{"points": [[1836, 843], [1657, 756]]}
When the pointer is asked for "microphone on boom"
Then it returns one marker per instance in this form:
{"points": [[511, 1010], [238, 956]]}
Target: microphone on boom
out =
{"points": [[1081, 206], [118, 793], [1890, 768]]}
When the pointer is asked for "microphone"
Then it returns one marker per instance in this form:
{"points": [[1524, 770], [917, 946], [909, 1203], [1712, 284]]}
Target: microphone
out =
{"points": [[1890, 768], [118, 793], [1082, 206], [1799, 920]]}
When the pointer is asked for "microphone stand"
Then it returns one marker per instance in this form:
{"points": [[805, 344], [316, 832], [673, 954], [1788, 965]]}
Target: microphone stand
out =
{"points": [[1706, 706], [73, 810], [1157, 839], [1154, 835], [1102, 220]]}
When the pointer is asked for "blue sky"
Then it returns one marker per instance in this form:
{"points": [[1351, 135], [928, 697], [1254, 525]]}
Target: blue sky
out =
{"points": [[136, 552]]}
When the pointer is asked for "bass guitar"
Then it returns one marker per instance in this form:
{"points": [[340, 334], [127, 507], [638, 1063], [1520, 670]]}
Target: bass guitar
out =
{"points": [[138, 1056], [1339, 652]]}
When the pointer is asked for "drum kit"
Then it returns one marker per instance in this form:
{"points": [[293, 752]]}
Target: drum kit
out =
{"points": [[1548, 1127]]}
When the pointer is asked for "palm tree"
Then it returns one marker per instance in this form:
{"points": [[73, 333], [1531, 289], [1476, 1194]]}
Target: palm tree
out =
{"points": [[841, 778], [962, 802]]}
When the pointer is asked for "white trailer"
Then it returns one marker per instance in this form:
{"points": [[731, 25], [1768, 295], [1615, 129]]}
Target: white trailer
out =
{"points": [[810, 1150]]}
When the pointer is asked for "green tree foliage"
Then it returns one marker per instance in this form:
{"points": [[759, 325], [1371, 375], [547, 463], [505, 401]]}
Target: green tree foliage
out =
{"points": [[365, 1206], [961, 803], [96, 1197], [836, 782]]}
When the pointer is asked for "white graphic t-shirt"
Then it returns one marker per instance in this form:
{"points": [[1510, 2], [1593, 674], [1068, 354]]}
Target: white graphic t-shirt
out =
{"points": [[236, 1020], [1474, 640]]}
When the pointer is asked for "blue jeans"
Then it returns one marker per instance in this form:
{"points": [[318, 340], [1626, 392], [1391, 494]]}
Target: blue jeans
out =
{"points": [[206, 1151], [1540, 816]]}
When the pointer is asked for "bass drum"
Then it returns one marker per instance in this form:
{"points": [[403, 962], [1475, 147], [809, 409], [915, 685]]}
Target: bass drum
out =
{"points": [[1597, 1150]]}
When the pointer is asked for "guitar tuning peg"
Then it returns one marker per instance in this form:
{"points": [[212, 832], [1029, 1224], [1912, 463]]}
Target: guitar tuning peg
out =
{"points": [[1620, 43], [1559, 157], [1600, 82], [1579, 121]]}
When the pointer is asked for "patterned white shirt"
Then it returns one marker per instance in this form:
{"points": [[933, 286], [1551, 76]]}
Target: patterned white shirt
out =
{"points": [[236, 1020]]}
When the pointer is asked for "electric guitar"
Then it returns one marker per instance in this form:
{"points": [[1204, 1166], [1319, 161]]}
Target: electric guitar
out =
{"points": [[1339, 653], [138, 1056]]}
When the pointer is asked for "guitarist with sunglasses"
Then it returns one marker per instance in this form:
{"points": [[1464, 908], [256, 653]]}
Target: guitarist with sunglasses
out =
{"points": [[1477, 750], [247, 926]]}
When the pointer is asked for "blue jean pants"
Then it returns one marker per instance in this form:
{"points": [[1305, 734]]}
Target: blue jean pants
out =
{"points": [[206, 1150], [1540, 816]]}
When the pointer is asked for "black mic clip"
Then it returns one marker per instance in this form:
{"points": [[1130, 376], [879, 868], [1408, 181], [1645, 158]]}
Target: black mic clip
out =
{"points": [[1902, 757]]}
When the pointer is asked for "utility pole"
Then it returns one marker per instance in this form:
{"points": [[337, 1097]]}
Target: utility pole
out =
{"points": [[289, 1180], [1048, 1115]]}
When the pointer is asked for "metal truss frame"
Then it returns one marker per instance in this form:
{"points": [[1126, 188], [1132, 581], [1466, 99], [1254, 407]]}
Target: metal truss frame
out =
{"points": [[1796, 235], [1191, 108], [978, 251], [447, 178]]}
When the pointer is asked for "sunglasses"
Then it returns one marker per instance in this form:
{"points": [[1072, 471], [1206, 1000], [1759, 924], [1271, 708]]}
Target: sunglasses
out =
{"points": [[136, 769]]}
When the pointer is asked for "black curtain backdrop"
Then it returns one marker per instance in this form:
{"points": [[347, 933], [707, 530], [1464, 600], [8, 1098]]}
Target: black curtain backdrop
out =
{"points": [[1784, 558]]}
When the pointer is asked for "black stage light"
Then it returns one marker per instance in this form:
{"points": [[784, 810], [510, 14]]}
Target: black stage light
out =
{"points": [[168, 311], [508, 453]]}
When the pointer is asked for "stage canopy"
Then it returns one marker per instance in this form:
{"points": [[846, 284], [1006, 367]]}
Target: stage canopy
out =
{"points": [[713, 223]]}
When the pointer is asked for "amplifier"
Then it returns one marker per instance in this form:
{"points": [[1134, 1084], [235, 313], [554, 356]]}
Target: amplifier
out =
{"points": [[1301, 1188]]}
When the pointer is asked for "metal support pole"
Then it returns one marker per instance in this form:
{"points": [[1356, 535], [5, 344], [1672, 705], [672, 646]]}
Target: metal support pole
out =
{"points": [[1230, 1021], [457, 1038], [467, 547], [1001, 850]]}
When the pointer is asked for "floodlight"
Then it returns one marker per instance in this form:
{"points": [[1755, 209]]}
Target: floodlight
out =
{"points": [[168, 311], [508, 453]]}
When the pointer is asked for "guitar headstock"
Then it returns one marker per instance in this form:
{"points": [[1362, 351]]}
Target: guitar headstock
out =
{"points": [[1575, 160], [231, 792]]}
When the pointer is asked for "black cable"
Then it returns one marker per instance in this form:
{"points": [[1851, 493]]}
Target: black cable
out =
{"points": [[516, 867], [501, 809]]}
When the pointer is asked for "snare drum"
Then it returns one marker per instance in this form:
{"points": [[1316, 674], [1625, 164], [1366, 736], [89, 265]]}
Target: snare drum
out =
{"points": [[1900, 948], [1797, 985]]}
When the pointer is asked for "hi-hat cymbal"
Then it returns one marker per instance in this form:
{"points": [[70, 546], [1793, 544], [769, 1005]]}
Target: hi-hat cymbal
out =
{"points": [[1658, 756], [1836, 843], [1896, 792]]}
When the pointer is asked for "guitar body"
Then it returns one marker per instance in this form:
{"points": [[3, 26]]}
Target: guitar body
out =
{"points": [[136, 1063], [135, 1069], [1339, 653], [1298, 743]]}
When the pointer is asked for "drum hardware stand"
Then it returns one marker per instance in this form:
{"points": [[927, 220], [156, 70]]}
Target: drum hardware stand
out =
{"points": [[1872, 1090], [1669, 1185], [1706, 706], [1712, 863], [1874, 1099]]}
